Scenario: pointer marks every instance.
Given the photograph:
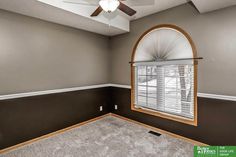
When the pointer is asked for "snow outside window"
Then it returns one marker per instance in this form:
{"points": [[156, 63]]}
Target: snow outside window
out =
{"points": [[165, 87]]}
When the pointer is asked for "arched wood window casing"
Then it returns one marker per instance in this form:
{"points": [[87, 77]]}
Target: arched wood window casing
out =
{"points": [[149, 48]]}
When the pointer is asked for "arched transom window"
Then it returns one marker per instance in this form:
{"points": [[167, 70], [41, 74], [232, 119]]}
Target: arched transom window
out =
{"points": [[164, 74]]}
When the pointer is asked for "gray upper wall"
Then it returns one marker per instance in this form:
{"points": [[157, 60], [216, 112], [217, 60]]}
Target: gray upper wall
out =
{"points": [[214, 35], [37, 55]]}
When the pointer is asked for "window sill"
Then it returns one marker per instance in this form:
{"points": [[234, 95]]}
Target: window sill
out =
{"points": [[166, 115]]}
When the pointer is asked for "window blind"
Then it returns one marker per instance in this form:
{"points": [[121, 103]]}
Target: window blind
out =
{"points": [[166, 87]]}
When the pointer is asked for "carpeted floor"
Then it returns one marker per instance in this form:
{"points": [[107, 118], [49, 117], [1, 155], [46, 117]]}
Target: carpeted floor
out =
{"points": [[107, 137]]}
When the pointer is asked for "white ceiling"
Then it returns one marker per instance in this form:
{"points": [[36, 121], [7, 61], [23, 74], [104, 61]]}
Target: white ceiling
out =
{"points": [[209, 5], [46, 12], [78, 15]]}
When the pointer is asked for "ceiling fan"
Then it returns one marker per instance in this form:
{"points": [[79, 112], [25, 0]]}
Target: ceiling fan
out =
{"points": [[109, 6]]}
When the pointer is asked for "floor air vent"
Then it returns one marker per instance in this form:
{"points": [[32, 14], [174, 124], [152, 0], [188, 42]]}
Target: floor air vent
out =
{"points": [[154, 133]]}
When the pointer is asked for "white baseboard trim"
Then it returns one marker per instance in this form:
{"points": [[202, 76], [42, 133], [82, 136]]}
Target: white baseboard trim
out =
{"points": [[28, 94]]}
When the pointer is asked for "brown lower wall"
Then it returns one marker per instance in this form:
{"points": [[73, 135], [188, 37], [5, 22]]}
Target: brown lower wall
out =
{"points": [[216, 119], [26, 118]]}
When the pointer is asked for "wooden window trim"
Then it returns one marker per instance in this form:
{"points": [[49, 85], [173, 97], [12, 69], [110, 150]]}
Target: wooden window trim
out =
{"points": [[158, 113]]}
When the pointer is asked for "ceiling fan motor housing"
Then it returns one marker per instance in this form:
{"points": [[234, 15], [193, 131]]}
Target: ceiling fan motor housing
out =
{"points": [[109, 5]]}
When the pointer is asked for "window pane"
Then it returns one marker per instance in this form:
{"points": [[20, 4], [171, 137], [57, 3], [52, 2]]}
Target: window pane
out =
{"points": [[141, 70], [184, 83], [152, 92], [174, 109], [152, 103], [172, 94], [181, 70], [171, 83], [142, 90], [170, 71], [151, 70], [187, 110], [152, 80], [179, 89], [166, 88], [142, 80], [142, 100]]}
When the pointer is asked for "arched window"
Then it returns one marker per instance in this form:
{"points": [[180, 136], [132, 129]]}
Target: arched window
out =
{"points": [[164, 74]]}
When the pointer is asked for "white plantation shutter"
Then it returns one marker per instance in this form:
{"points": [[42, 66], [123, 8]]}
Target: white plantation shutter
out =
{"points": [[166, 86]]}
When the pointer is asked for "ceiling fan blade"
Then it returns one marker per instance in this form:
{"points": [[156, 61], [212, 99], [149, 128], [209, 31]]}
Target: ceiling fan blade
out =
{"points": [[97, 11], [129, 11]]}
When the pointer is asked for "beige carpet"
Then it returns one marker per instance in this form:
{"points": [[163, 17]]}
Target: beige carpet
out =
{"points": [[107, 137]]}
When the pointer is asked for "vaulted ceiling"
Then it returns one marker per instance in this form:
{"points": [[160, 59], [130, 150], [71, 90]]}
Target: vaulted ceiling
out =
{"points": [[78, 15]]}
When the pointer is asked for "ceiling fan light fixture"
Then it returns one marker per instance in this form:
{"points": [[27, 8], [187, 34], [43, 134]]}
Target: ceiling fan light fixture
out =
{"points": [[109, 5]]}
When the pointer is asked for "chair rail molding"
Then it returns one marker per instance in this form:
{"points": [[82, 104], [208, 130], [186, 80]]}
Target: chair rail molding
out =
{"points": [[53, 91]]}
